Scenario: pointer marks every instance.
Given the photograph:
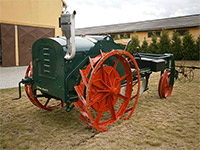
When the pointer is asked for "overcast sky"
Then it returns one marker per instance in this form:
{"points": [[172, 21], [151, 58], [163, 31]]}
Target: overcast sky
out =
{"points": [[105, 12]]}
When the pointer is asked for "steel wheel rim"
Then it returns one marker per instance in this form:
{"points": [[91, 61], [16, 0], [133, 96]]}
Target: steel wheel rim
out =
{"points": [[165, 89], [159, 86], [118, 114]]}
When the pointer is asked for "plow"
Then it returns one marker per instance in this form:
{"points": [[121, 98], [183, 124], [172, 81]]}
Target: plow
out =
{"points": [[186, 73], [93, 75]]}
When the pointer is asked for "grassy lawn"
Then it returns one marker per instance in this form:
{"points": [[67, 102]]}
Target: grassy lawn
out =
{"points": [[171, 123]]}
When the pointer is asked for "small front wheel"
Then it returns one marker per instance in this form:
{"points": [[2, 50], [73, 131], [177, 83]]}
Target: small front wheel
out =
{"points": [[164, 89]]}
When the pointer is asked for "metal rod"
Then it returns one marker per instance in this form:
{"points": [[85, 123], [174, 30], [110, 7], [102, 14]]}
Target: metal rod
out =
{"points": [[19, 92], [192, 67]]}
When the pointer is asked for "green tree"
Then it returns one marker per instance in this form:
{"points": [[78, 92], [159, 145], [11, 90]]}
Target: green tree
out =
{"points": [[116, 37], [153, 47], [188, 46], [144, 47], [196, 53], [164, 44], [176, 46], [125, 36], [122, 46], [134, 46]]}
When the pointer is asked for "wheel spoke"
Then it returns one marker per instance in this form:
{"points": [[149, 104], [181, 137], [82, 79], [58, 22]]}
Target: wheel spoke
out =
{"points": [[47, 102], [98, 98], [105, 84], [108, 79], [133, 96], [103, 91], [115, 65], [123, 77], [112, 110], [135, 84], [97, 85], [112, 76], [95, 98], [122, 96], [99, 115]]}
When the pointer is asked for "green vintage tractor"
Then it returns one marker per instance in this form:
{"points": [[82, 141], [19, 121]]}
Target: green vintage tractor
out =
{"points": [[92, 74]]}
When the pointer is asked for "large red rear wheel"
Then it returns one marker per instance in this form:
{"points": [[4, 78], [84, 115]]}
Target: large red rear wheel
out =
{"points": [[43, 103], [101, 100]]}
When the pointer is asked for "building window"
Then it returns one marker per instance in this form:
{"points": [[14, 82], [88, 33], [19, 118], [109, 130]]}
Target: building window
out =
{"points": [[181, 32], [151, 33], [125, 35], [112, 35], [121, 36]]}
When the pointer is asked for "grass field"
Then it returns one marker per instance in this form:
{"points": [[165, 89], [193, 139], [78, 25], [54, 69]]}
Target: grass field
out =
{"points": [[167, 124]]}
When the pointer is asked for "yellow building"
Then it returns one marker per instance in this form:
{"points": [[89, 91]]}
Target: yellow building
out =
{"points": [[144, 29], [146, 35], [24, 21]]}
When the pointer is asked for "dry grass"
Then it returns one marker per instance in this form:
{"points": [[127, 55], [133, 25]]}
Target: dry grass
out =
{"points": [[171, 123]]}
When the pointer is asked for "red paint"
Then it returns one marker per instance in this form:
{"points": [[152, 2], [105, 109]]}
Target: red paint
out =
{"points": [[164, 89], [102, 86]]}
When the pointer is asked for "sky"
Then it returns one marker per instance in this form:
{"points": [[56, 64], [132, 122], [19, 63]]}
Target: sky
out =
{"points": [[104, 12]]}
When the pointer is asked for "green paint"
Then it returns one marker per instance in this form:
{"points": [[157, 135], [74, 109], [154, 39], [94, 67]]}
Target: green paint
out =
{"points": [[56, 77]]}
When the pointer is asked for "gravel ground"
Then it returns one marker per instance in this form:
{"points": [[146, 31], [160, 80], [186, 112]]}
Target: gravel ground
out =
{"points": [[157, 124]]}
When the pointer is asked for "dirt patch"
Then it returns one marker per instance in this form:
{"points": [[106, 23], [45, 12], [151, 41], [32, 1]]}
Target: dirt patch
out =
{"points": [[171, 123]]}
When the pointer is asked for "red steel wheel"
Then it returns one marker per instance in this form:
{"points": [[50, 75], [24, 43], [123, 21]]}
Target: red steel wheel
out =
{"points": [[164, 85], [103, 102], [81, 103], [159, 85], [43, 104]]}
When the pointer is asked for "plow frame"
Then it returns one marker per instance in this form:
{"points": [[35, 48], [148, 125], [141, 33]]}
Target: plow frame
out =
{"points": [[169, 65]]}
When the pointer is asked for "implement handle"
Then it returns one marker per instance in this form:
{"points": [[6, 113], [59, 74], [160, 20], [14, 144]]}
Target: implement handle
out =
{"points": [[19, 92]]}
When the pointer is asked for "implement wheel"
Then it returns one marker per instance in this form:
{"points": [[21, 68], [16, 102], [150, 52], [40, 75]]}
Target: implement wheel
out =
{"points": [[101, 100], [41, 103], [164, 89]]}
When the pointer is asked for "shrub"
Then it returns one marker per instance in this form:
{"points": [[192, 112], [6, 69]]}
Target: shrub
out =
{"points": [[134, 46], [164, 45], [116, 37], [122, 46], [153, 47], [196, 52], [188, 46], [176, 46], [144, 48], [125, 36]]}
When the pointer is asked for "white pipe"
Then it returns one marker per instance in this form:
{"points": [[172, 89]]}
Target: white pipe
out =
{"points": [[68, 29]]}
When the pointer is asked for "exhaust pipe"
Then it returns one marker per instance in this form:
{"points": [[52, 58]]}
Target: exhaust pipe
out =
{"points": [[68, 29]]}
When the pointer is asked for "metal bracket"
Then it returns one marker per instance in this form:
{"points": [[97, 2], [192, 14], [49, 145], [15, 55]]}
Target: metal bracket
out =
{"points": [[68, 107]]}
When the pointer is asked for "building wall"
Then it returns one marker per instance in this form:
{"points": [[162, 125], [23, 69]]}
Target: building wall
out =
{"points": [[144, 35], [40, 13], [30, 20]]}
